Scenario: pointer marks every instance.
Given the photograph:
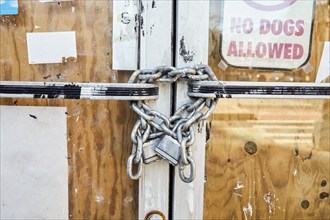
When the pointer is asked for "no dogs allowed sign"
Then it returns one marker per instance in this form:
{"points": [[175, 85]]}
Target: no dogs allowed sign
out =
{"points": [[267, 34]]}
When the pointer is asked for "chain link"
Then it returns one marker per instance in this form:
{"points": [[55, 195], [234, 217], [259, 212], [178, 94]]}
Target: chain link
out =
{"points": [[180, 126]]}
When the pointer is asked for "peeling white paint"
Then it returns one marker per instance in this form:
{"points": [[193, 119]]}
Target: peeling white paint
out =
{"points": [[238, 194], [128, 200], [99, 198], [239, 185], [270, 199], [149, 196], [190, 198], [295, 172], [247, 210], [76, 112], [114, 76]]}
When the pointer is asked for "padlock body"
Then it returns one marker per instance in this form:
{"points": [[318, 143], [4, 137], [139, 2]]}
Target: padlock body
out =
{"points": [[148, 151], [169, 149]]}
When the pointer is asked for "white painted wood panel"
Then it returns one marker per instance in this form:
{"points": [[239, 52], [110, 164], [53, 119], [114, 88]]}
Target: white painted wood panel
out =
{"points": [[125, 34], [156, 50], [34, 167], [192, 32], [188, 198], [191, 48], [154, 182], [156, 33]]}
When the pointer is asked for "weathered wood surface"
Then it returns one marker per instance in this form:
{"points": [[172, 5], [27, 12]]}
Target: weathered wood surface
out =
{"points": [[288, 175], [286, 169], [98, 131]]}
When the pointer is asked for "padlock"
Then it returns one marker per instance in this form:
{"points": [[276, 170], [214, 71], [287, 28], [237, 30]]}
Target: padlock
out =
{"points": [[169, 149], [148, 151]]}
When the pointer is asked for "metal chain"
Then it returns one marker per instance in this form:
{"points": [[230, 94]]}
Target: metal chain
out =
{"points": [[180, 126]]}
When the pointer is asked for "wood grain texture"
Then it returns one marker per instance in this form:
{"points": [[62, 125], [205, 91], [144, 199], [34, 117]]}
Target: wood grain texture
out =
{"points": [[288, 175], [98, 131], [274, 181]]}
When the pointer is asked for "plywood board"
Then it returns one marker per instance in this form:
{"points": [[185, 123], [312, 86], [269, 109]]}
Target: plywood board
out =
{"points": [[287, 174], [98, 131], [284, 173], [34, 164]]}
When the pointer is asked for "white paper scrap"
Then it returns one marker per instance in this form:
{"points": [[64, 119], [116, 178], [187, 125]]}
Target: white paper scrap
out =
{"points": [[51, 47], [34, 164], [324, 67]]}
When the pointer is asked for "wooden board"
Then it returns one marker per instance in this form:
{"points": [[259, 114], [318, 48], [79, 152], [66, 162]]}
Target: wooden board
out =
{"points": [[279, 178], [98, 131], [288, 175]]}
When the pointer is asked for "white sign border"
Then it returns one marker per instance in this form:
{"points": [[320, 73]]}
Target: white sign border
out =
{"points": [[266, 68]]}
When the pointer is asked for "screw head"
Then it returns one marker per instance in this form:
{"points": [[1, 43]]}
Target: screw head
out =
{"points": [[250, 147], [305, 204]]}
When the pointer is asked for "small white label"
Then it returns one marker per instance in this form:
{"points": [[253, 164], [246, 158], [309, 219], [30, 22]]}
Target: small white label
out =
{"points": [[51, 47]]}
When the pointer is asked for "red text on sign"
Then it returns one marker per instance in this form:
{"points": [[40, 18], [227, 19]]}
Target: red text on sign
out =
{"points": [[265, 50], [288, 27], [276, 27]]}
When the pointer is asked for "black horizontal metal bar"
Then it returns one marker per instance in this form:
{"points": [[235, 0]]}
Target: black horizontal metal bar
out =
{"points": [[258, 89], [78, 90]]}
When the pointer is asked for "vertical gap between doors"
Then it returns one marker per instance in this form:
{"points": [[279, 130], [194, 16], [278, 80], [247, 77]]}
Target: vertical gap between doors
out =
{"points": [[174, 93]]}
